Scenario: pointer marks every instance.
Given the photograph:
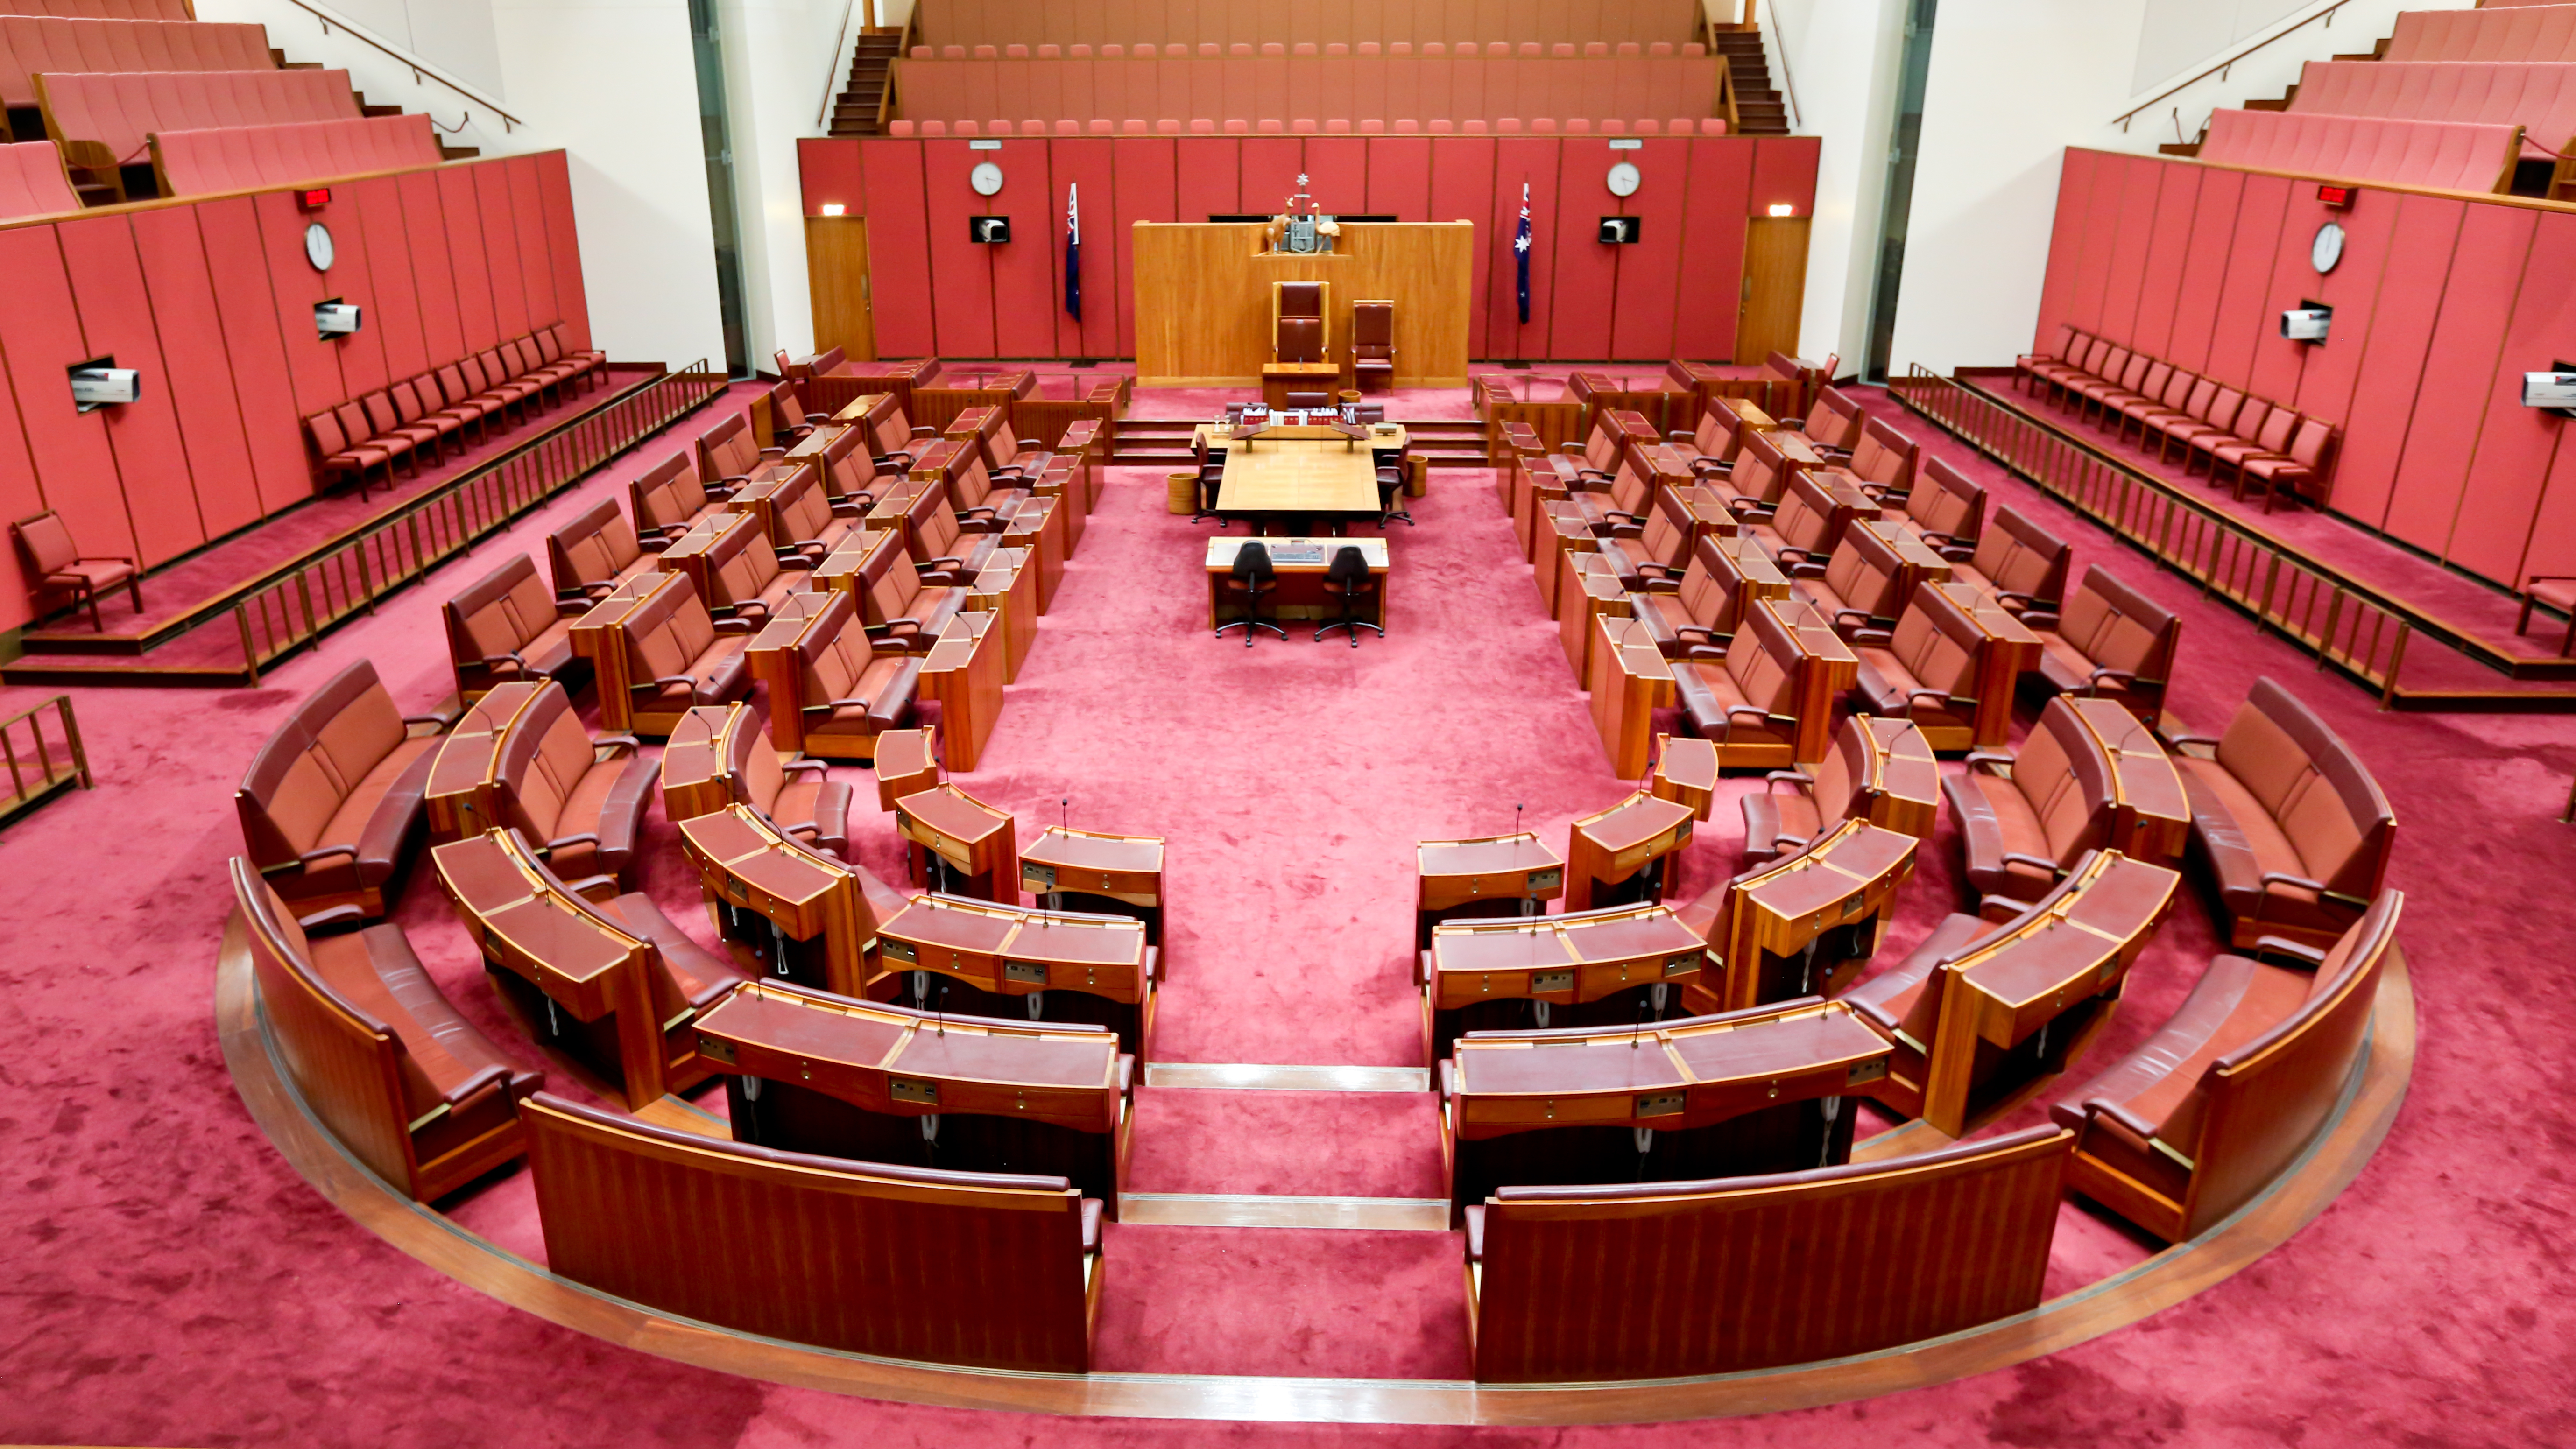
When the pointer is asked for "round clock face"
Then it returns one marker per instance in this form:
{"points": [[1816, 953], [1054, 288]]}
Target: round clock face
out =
{"points": [[986, 178], [2327, 249], [1624, 179], [317, 246]]}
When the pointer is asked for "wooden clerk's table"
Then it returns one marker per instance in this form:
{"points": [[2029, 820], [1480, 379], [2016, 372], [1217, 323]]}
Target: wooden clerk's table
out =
{"points": [[1299, 470], [1298, 566]]}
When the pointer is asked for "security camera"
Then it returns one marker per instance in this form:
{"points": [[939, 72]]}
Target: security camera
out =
{"points": [[98, 387], [2555, 391], [335, 319], [2306, 324]]}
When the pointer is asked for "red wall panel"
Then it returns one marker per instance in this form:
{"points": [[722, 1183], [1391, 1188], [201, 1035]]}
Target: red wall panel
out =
{"points": [[2515, 447], [500, 250], [533, 260], [1339, 168], [1144, 193], [2168, 246], [1784, 170], [272, 424], [899, 250], [1462, 189], [1711, 292], [2065, 239], [961, 269], [1085, 162], [352, 279], [199, 370], [116, 317], [462, 211], [2401, 333], [2553, 530], [1587, 272], [1271, 166], [74, 465], [2245, 296], [393, 314], [2277, 360], [21, 498], [433, 269], [563, 248], [828, 170], [1520, 161], [2204, 272], [1399, 178], [1025, 300], [295, 287], [2101, 231], [2141, 183], [2459, 372], [1209, 176], [1650, 270], [2327, 374]]}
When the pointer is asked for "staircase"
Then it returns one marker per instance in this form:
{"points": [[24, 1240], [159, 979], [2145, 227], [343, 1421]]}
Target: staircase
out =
{"points": [[855, 113], [1758, 110]]}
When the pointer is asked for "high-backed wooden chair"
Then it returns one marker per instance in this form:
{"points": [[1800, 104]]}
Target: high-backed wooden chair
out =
{"points": [[1300, 328], [1373, 346]]}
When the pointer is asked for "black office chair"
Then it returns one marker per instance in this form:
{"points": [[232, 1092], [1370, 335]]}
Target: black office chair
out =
{"points": [[1347, 577], [1390, 487], [1251, 577]]}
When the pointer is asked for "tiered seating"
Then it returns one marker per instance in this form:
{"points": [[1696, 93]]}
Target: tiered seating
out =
{"points": [[32, 181], [2269, 449], [1240, 88], [2539, 96], [1388, 22], [106, 9], [2538, 32], [332, 801], [2456, 155], [104, 118], [241, 158], [367, 437], [34, 44]]}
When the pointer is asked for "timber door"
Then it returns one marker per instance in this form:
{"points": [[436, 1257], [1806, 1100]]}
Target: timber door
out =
{"points": [[1775, 287], [836, 276]]}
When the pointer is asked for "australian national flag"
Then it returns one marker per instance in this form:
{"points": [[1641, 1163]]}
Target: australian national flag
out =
{"points": [[1520, 252], [1073, 252]]}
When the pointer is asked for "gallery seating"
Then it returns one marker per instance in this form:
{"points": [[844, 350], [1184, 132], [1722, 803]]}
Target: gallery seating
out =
{"points": [[1652, 1280], [672, 495], [178, 10], [2452, 155], [104, 119], [727, 748], [1399, 23], [2300, 470], [596, 552], [1878, 770], [347, 445], [2553, 591], [2209, 1110], [2108, 640], [831, 692], [60, 576], [2538, 32], [331, 802], [241, 158], [577, 800], [904, 611], [2016, 563], [30, 43], [2270, 448], [2539, 96], [32, 182], [1766, 704], [505, 625], [2292, 825], [673, 656], [398, 1076], [1017, 1258]]}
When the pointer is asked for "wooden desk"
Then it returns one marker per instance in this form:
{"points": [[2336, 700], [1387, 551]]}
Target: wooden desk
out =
{"points": [[1004, 961], [804, 915], [1383, 437], [1898, 775], [1587, 591], [1742, 1094], [961, 845], [527, 925], [1096, 872], [1803, 924], [2150, 814], [462, 796], [823, 1074], [842, 570], [1300, 471], [907, 763], [598, 637], [692, 554], [1278, 379], [697, 760], [1007, 588], [1297, 567], [1609, 967], [964, 673], [1493, 875], [1606, 849], [1686, 771], [1630, 680]]}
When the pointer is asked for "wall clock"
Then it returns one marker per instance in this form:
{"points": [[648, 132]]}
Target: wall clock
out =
{"points": [[986, 178], [1624, 179], [2327, 249], [317, 246]]}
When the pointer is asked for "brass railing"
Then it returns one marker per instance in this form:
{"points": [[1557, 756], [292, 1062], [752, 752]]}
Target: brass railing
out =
{"points": [[39, 768], [2223, 67], [302, 605], [2313, 609]]}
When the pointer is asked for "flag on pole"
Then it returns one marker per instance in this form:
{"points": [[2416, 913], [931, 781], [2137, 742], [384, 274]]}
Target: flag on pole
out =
{"points": [[1521, 251], [1072, 251]]}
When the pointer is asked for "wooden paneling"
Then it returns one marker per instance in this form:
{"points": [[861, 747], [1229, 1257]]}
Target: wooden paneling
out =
{"points": [[836, 267], [1775, 287], [1204, 298]]}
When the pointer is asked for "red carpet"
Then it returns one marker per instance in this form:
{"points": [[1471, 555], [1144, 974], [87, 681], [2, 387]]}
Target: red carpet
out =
{"points": [[173, 1282]]}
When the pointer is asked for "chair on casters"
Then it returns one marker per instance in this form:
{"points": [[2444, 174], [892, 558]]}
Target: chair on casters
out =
{"points": [[1347, 578], [56, 567], [1390, 487], [1211, 479], [1251, 577]]}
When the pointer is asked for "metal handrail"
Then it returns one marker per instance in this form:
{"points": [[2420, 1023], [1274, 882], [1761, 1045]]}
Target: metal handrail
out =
{"points": [[845, 56], [2220, 69], [418, 66]]}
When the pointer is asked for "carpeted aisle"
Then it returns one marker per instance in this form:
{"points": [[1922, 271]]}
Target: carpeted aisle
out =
{"points": [[171, 1281]]}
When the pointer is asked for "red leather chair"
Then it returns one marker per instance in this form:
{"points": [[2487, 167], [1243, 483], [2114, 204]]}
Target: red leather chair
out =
{"points": [[56, 568]]}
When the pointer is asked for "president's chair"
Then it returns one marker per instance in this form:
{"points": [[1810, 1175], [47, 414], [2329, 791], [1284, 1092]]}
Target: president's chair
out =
{"points": [[1298, 331]]}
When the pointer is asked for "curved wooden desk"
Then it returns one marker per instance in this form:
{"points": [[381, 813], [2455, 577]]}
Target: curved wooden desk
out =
{"points": [[907, 763], [806, 916], [1097, 873], [2150, 814], [1599, 968], [1706, 1096], [1803, 924], [463, 795], [1617, 855], [1000, 960], [1493, 875], [697, 760], [813, 1072], [958, 845]]}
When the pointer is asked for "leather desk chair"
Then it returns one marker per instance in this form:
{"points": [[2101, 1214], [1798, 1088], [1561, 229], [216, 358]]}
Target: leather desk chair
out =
{"points": [[2026, 817], [2109, 640], [1298, 331], [590, 556], [904, 614], [1747, 700], [671, 496], [680, 657], [1946, 510], [840, 691], [897, 443], [983, 503], [1347, 578], [747, 577], [789, 420], [1250, 577], [506, 626], [1390, 492], [1833, 425], [798, 796], [1777, 822], [58, 569], [728, 453], [2017, 563], [1373, 346], [579, 801], [1926, 670], [1860, 588], [1800, 534], [946, 548], [333, 799], [810, 522], [1694, 620], [1655, 561], [1211, 481], [851, 473]]}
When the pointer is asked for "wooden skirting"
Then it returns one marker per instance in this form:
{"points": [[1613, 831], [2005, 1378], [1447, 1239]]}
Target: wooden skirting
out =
{"points": [[2361, 1121]]}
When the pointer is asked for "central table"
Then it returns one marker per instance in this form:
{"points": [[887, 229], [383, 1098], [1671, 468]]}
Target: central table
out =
{"points": [[1300, 470], [1297, 567]]}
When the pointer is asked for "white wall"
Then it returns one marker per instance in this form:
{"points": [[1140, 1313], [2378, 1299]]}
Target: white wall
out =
{"points": [[1841, 58], [781, 57]]}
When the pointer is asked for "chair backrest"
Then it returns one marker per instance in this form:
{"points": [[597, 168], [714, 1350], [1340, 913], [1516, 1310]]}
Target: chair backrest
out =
{"points": [[668, 494], [728, 450], [1763, 661], [2274, 435], [1864, 572], [751, 763], [544, 755], [667, 632], [1947, 502], [2062, 772], [2204, 396], [740, 564], [849, 470], [1938, 644], [2023, 558], [833, 651], [1806, 516], [1708, 593], [1761, 470], [1835, 421], [1372, 329], [1301, 299], [2117, 627], [1251, 562], [594, 548], [304, 770], [1301, 339], [1885, 456], [499, 612], [930, 526], [2323, 800], [803, 512], [2312, 446], [1348, 565], [887, 426], [47, 541]]}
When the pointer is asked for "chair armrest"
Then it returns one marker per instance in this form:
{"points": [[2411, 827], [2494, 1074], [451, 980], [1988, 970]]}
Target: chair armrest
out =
{"points": [[587, 837], [688, 680], [798, 558], [982, 525], [1860, 617], [1704, 467], [919, 431], [509, 657], [801, 765], [573, 605], [650, 543], [1987, 757], [438, 723], [2180, 742], [1873, 636], [1954, 552], [2283, 877], [1741, 709], [844, 508], [2015, 857], [2006, 596], [337, 918], [1945, 699], [733, 626], [2039, 618], [2128, 1121], [2124, 676], [2276, 946], [322, 852], [1793, 777], [773, 453], [628, 743], [1662, 582]]}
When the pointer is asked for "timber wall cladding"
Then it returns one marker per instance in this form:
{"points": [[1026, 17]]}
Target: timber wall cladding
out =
{"points": [[2441, 304], [213, 302], [1673, 293]]}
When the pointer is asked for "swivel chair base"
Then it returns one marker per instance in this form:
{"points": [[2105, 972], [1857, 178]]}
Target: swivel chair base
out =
{"points": [[1247, 626], [1354, 625]]}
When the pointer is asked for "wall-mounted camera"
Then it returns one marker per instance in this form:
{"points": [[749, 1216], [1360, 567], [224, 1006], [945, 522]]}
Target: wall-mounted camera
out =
{"points": [[2552, 391], [2307, 322], [990, 230], [1622, 231], [100, 383], [335, 318]]}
